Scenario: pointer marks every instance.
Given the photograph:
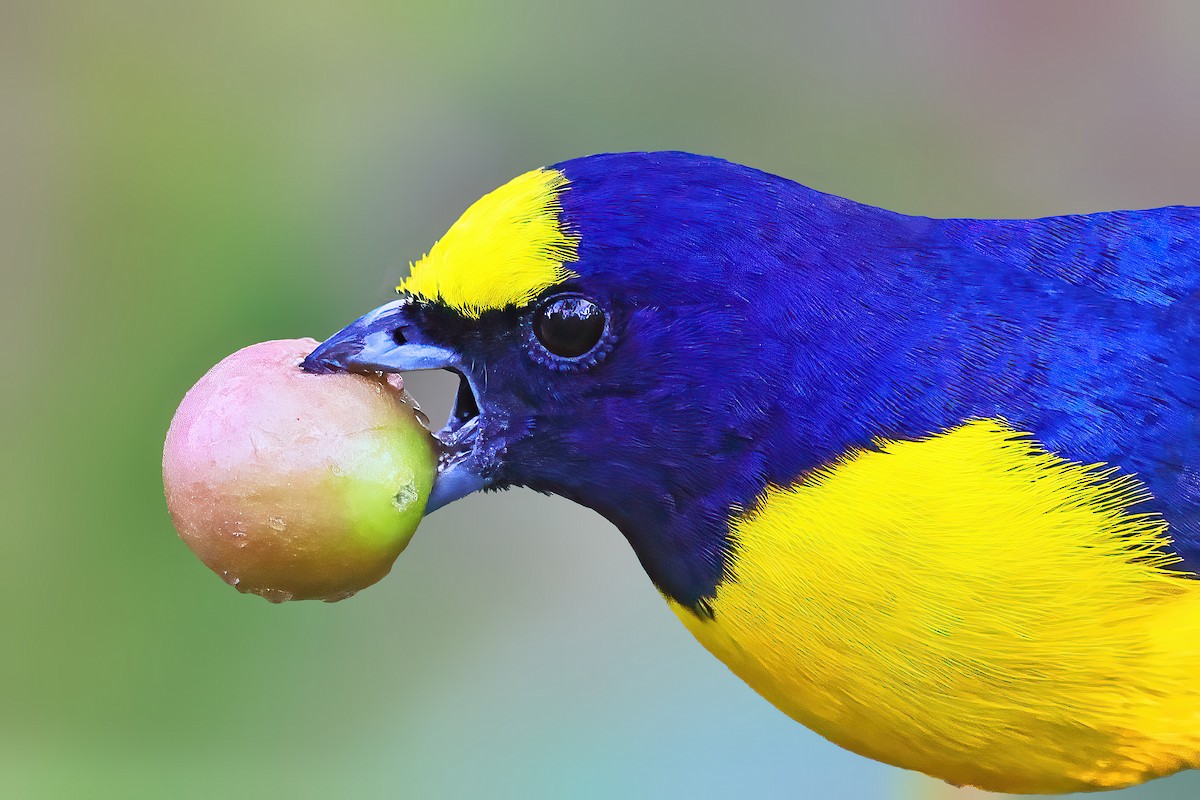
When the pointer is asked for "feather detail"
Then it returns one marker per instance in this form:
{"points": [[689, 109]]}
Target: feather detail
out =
{"points": [[971, 606], [507, 248]]}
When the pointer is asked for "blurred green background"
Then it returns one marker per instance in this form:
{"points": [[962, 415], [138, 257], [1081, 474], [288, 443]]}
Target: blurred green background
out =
{"points": [[179, 179]]}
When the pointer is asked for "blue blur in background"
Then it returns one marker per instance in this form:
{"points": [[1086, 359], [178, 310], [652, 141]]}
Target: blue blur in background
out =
{"points": [[178, 180]]}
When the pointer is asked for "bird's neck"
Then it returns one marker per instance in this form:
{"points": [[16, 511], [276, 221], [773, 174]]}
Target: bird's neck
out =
{"points": [[672, 492], [680, 538]]}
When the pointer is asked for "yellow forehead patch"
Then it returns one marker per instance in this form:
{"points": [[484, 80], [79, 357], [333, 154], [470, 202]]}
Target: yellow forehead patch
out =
{"points": [[504, 250]]}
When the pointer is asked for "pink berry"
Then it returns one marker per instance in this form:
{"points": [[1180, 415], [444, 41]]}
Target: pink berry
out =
{"points": [[291, 485]]}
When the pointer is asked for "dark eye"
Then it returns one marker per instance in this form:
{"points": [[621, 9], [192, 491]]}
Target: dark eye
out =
{"points": [[568, 326]]}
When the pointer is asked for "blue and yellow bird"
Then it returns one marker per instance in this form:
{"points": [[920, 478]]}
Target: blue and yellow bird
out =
{"points": [[930, 486]]}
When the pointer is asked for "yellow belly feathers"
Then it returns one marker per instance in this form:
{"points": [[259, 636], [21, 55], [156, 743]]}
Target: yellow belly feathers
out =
{"points": [[970, 606]]}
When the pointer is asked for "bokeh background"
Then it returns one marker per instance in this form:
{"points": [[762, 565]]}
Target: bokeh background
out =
{"points": [[179, 179]]}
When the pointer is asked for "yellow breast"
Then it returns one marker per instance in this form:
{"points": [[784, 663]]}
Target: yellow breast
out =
{"points": [[972, 607]]}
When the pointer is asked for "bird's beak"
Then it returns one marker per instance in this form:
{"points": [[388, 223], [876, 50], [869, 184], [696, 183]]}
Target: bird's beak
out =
{"points": [[383, 340], [388, 340]]}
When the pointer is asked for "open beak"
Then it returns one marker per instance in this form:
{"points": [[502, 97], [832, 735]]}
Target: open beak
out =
{"points": [[388, 340]]}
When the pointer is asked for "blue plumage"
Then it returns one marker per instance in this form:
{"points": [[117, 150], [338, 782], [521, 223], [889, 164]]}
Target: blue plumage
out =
{"points": [[769, 328], [662, 337]]}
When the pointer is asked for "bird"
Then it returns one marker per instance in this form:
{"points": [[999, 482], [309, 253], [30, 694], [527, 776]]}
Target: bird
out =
{"points": [[931, 486]]}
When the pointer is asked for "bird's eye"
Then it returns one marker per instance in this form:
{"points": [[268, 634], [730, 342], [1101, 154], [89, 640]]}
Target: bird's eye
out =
{"points": [[568, 326]]}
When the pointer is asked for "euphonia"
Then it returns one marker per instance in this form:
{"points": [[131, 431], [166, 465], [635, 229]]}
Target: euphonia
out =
{"points": [[930, 486]]}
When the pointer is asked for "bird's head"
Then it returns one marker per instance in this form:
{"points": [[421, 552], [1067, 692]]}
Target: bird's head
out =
{"points": [[615, 322]]}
